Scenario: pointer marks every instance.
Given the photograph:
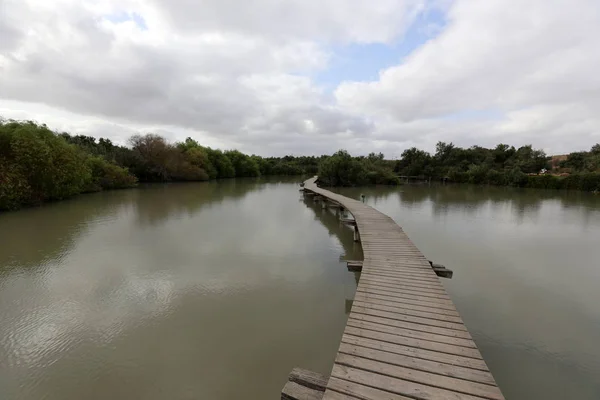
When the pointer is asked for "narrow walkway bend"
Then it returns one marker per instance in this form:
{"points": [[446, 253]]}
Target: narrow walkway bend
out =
{"points": [[404, 338]]}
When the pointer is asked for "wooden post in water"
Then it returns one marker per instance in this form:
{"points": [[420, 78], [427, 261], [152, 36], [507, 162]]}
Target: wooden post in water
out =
{"points": [[356, 234]]}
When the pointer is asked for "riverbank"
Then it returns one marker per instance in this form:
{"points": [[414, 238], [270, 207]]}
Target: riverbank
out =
{"points": [[501, 166], [38, 165]]}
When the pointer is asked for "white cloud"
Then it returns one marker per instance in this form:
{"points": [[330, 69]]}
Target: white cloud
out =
{"points": [[239, 74], [525, 59], [327, 20]]}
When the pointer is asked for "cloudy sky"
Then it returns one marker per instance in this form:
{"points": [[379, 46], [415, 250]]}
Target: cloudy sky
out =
{"points": [[274, 77]]}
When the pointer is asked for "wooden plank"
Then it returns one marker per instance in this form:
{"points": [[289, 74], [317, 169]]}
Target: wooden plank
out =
{"points": [[294, 391], [366, 282], [416, 326], [443, 272], [397, 261], [365, 286], [354, 265], [407, 311], [422, 270], [307, 378], [396, 385], [418, 270], [404, 275], [373, 340], [427, 378], [413, 284], [358, 308], [359, 330], [454, 371], [374, 299], [341, 389], [407, 278], [407, 282], [407, 300], [460, 346], [413, 290]]}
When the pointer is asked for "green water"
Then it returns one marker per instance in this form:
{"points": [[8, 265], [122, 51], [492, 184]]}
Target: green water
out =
{"points": [[217, 290]]}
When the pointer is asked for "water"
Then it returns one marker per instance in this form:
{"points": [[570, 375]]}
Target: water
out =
{"points": [[526, 277], [217, 290]]}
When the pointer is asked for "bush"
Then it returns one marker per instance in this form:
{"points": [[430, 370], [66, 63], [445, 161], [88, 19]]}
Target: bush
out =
{"points": [[106, 175], [342, 170], [544, 182], [516, 177], [242, 164], [14, 188], [477, 174], [39, 166], [382, 177], [589, 182], [495, 178]]}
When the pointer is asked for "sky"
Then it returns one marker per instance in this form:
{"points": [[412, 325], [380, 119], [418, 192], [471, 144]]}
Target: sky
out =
{"points": [[308, 77]]}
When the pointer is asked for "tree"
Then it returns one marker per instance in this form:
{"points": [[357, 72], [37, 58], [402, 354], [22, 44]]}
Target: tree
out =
{"points": [[342, 170], [151, 157], [414, 162], [221, 163], [242, 164]]}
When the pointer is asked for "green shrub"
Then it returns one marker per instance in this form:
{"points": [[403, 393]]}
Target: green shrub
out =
{"points": [[106, 175], [14, 188]]}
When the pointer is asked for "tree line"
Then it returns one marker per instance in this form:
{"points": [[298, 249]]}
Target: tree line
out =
{"points": [[503, 165], [38, 165]]}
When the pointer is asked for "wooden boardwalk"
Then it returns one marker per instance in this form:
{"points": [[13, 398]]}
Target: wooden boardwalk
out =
{"points": [[404, 338]]}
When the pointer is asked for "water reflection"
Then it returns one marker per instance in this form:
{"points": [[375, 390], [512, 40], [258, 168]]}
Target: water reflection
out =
{"points": [[526, 277], [179, 291], [218, 290], [158, 203], [58, 225], [330, 218]]}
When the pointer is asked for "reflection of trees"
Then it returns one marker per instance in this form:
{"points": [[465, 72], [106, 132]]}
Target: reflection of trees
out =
{"points": [[32, 236], [470, 199], [331, 221], [352, 250], [581, 202], [156, 203]]}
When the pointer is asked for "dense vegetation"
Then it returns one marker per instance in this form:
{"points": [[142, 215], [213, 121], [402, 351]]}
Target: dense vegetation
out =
{"points": [[502, 165], [152, 159], [38, 165], [341, 169]]}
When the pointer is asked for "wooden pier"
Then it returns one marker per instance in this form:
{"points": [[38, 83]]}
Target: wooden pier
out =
{"points": [[404, 338]]}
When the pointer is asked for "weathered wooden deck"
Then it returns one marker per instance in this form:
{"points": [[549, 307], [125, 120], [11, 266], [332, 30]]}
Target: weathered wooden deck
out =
{"points": [[404, 338]]}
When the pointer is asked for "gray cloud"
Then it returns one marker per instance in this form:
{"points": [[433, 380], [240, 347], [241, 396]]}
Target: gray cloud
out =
{"points": [[329, 20], [238, 73], [222, 83], [533, 63]]}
